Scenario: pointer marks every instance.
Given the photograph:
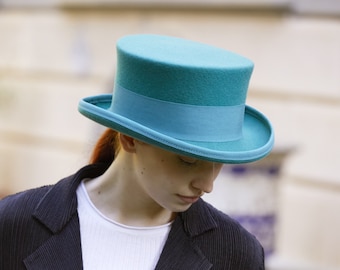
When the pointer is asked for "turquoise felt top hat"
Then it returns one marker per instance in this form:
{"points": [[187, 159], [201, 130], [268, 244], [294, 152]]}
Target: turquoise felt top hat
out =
{"points": [[183, 96]]}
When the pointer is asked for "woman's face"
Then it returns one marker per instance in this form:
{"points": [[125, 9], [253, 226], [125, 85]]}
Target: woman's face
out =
{"points": [[173, 181]]}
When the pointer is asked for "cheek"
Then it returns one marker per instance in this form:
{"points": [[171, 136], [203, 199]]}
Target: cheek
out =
{"points": [[217, 169], [167, 178], [156, 172], [163, 171]]}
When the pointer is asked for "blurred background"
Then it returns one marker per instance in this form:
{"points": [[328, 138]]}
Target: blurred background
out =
{"points": [[54, 52]]}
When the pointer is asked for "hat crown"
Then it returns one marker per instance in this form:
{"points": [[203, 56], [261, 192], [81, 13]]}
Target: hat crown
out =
{"points": [[185, 97], [182, 71]]}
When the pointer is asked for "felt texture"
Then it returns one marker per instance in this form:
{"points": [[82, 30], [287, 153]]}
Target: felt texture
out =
{"points": [[182, 71], [183, 96]]}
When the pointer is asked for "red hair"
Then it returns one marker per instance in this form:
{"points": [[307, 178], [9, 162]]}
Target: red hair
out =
{"points": [[106, 148]]}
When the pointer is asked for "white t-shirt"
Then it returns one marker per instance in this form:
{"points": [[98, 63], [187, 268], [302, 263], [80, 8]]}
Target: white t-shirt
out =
{"points": [[107, 244]]}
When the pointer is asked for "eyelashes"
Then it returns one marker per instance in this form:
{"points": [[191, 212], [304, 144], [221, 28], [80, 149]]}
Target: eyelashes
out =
{"points": [[188, 161]]}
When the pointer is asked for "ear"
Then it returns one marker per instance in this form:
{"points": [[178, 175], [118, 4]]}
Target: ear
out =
{"points": [[128, 143]]}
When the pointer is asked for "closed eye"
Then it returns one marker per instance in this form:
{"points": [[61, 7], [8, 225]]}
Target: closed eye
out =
{"points": [[189, 161]]}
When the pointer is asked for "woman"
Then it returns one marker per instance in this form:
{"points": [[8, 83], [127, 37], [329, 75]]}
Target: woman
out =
{"points": [[177, 113]]}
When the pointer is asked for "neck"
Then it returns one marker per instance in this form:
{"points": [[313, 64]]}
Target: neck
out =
{"points": [[118, 196]]}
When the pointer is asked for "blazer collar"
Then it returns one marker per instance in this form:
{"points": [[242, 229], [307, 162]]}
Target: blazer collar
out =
{"points": [[180, 251], [60, 251], [57, 211], [56, 215], [198, 219]]}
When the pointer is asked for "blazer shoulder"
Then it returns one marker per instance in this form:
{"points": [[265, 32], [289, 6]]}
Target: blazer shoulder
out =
{"points": [[230, 240], [221, 218], [228, 225], [21, 205]]}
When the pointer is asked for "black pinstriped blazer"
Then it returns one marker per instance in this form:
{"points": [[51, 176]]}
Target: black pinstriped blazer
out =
{"points": [[39, 229]]}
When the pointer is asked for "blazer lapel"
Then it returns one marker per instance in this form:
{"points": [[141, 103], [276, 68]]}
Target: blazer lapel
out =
{"points": [[57, 211], [61, 251], [180, 250], [180, 253]]}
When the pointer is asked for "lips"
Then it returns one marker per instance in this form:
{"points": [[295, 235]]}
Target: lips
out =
{"points": [[189, 199]]}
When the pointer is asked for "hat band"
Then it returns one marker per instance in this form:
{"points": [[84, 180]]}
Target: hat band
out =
{"points": [[178, 120]]}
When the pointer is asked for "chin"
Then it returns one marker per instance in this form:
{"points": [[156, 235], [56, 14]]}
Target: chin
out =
{"points": [[180, 208]]}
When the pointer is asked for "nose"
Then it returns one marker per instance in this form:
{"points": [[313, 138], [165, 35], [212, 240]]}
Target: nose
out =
{"points": [[204, 180], [203, 185]]}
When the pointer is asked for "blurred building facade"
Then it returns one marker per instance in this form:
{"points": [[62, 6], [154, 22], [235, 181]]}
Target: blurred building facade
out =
{"points": [[52, 53]]}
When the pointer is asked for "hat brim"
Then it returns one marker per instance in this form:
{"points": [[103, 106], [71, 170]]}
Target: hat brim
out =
{"points": [[257, 140]]}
